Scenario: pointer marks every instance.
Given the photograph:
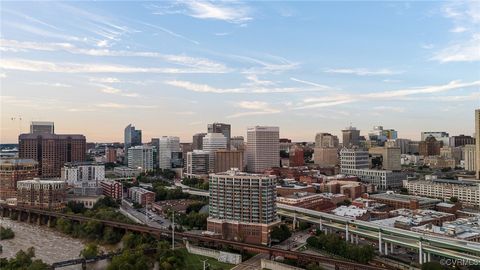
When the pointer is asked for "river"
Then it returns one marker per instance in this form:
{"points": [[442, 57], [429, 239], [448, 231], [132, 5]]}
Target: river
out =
{"points": [[50, 245]]}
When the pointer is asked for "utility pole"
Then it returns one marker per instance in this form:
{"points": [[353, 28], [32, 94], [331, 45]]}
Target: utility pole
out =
{"points": [[173, 230], [205, 265]]}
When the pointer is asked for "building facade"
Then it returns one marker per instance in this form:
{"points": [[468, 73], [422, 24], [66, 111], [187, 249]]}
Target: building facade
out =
{"points": [[84, 177], [225, 129], [326, 157], [141, 158], [13, 170], [242, 206], [263, 150], [430, 147], [132, 137], [227, 159], [41, 194], [470, 157], [351, 137], [197, 141], [461, 140], [112, 189], [390, 157], [52, 151], [141, 196], [198, 163], [211, 143], [477, 141], [167, 146], [42, 127], [441, 136], [296, 156]]}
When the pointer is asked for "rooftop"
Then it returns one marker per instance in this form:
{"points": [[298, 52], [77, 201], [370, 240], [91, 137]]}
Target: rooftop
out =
{"points": [[404, 198], [349, 211], [17, 161]]}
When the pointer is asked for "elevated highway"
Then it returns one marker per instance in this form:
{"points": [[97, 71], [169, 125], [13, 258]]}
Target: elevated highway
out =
{"points": [[387, 237]]}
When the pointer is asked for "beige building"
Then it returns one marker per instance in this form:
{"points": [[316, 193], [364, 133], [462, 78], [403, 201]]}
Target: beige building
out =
{"points": [[470, 157], [439, 162], [477, 140], [390, 157], [263, 151], [326, 156], [452, 153], [227, 159], [326, 140], [41, 194]]}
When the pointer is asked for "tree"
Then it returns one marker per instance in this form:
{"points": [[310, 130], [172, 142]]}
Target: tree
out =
{"points": [[404, 191], [90, 251], [453, 199], [75, 207], [64, 225], [194, 207], [280, 233], [23, 261], [6, 233]]}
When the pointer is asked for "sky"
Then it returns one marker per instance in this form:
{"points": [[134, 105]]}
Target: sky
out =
{"points": [[170, 68]]}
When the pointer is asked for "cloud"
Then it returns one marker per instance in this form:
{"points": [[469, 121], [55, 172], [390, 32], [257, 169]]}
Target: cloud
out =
{"points": [[44, 66], [465, 16], [363, 71], [3, 75], [184, 60], [229, 11], [61, 85], [388, 109], [256, 81], [115, 91], [170, 32], [105, 80], [124, 106], [427, 46], [256, 89], [461, 51], [256, 107], [310, 83]]}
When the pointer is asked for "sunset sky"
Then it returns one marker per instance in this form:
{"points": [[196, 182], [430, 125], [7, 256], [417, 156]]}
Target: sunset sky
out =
{"points": [[170, 68]]}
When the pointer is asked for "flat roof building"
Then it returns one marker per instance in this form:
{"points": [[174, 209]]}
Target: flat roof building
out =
{"points": [[41, 194], [398, 201], [13, 170]]}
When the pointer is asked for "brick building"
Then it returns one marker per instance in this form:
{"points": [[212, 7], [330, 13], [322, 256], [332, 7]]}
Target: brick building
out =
{"points": [[14, 170], [41, 194]]}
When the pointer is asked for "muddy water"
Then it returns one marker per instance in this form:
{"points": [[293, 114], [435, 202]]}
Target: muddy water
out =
{"points": [[50, 246]]}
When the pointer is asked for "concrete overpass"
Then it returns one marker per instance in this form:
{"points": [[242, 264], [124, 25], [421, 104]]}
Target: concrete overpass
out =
{"points": [[387, 237]]}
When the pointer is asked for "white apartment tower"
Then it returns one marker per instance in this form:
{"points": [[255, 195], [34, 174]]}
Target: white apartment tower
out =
{"points": [[141, 157], [262, 148]]}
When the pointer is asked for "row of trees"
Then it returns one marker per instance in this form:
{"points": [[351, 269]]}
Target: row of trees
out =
{"points": [[6, 233], [280, 233], [195, 183], [23, 261], [332, 243], [162, 193]]}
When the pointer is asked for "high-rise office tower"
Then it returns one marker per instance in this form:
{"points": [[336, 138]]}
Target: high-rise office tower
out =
{"points": [[354, 158], [132, 137], [211, 143], [263, 151], [42, 127], [237, 143], [140, 157], [477, 141], [351, 137], [13, 170], [51, 151], [228, 159], [242, 206], [197, 142], [167, 145], [326, 149], [461, 140], [225, 129], [326, 140]]}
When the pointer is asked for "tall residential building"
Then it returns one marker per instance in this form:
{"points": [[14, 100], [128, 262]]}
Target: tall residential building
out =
{"points": [[13, 170], [42, 127], [198, 163], [110, 155], [41, 194], [237, 143], [351, 137], [262, 148], [211, 143], [242, 206], [132, 137], [51, 151], [470, 157], [430, 147], [438, 135], [228, 159], [326, 140], [167, 146], [141, 157], [477, 141], [461, 140], [225, 129], [197, 143], [84, 177]]}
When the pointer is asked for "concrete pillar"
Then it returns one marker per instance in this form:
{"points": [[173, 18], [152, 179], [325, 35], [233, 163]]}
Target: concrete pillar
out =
{"points": [[39, 220], [420, 252], [352, 237], [321, 225], [391, 248], [294, 221], [29, 217], [356, 239], [346, 232], [386, 248], [425, 257], [19, 216], [380, 242], [429, 258]]}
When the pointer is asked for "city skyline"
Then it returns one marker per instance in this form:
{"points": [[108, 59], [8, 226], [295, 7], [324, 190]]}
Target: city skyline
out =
{"points": [[171, 68]]}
